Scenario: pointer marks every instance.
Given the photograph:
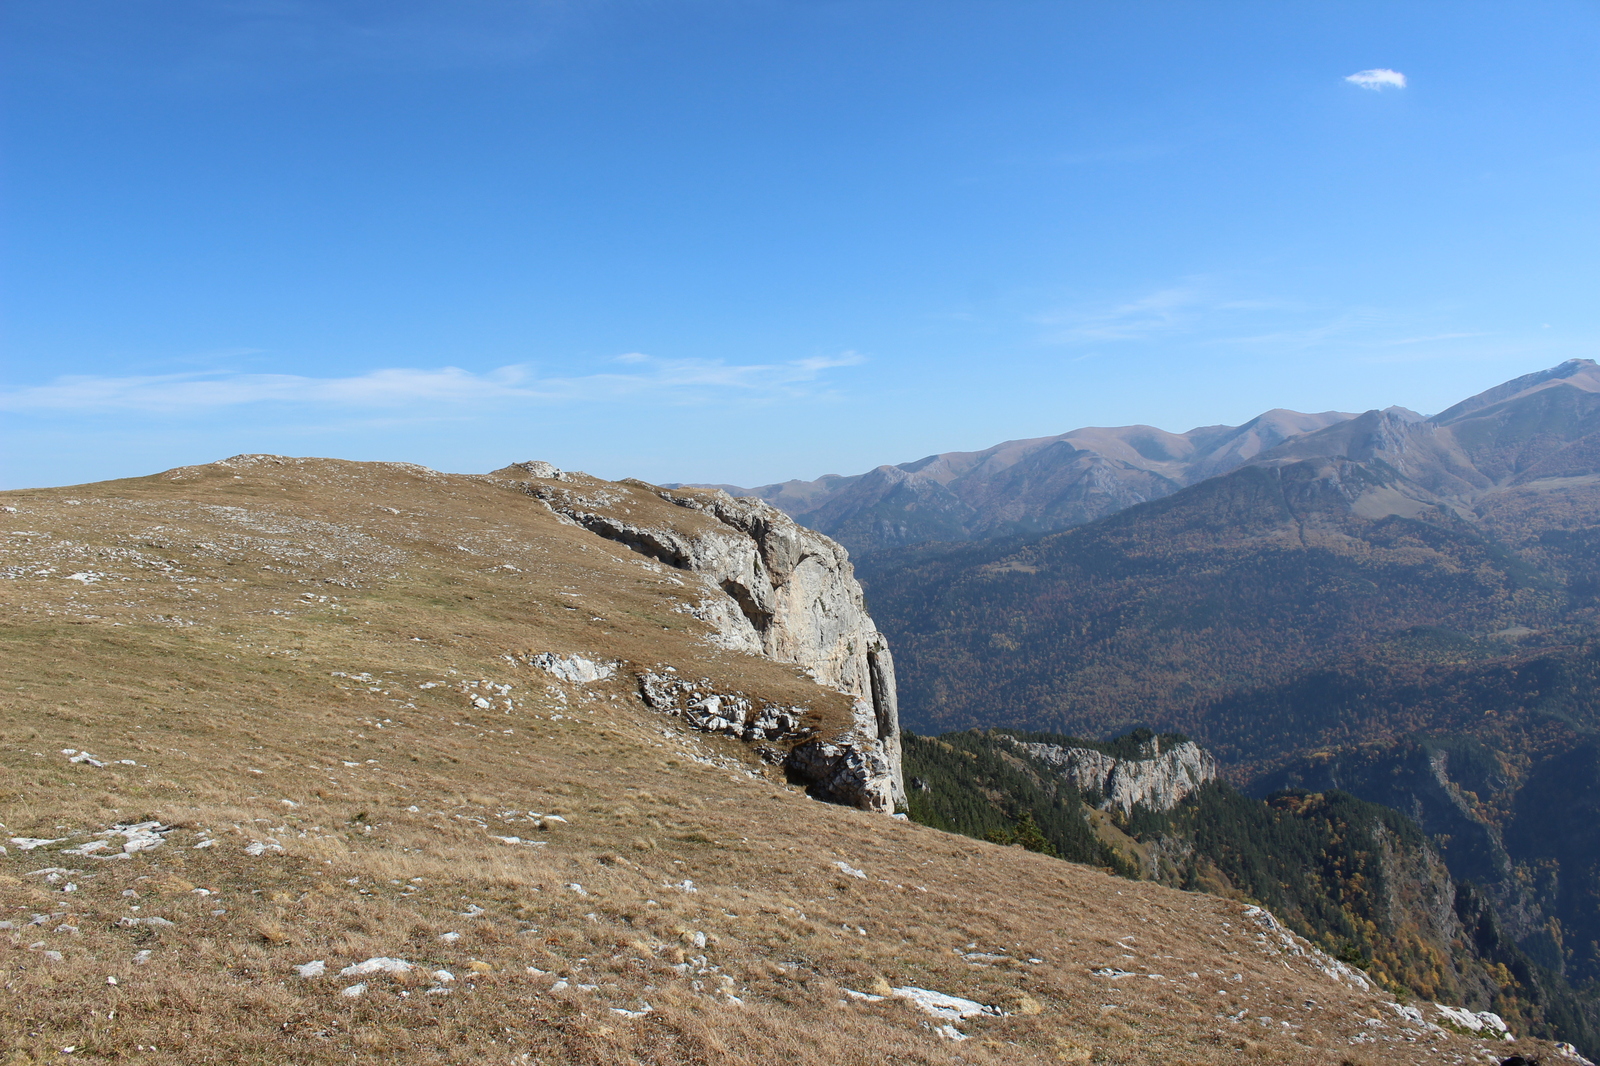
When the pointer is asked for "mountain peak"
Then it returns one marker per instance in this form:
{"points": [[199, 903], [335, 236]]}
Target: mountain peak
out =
{"points": [[1581, 374], [1029, 485]]}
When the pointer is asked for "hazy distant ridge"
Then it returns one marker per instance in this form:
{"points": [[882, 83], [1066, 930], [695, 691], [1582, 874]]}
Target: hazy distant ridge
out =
{"points": [[1022, 486]]}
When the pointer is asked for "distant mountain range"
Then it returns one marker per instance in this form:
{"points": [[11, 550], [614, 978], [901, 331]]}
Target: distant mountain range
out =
{"points": [[1404, 608], [1051, 483], [1481, 520], [1028, 486]]}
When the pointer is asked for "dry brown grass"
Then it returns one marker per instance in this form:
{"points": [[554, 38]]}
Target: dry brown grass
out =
{"points": [[397, 795]]}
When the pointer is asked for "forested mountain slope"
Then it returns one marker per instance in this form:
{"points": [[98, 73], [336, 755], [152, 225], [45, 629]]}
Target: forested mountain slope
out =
{"points": [[1359, 879], [1468, 536], [1403, 610], [1144, 617]]}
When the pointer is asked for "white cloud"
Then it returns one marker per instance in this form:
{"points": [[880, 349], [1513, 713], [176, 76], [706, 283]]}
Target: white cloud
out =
{"points": [[1192, 305], [1158, 312], [677, 381], [1207, 313], [1378, 79]]}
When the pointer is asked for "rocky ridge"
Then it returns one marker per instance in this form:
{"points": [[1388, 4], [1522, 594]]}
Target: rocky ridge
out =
{"points": [[767, 586], [1158, 780]]}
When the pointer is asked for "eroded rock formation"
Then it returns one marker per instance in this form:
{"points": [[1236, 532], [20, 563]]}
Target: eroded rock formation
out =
{"points": [[1157, 781], [767, 586]]}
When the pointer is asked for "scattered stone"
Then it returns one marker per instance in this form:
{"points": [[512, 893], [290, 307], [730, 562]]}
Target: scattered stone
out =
{"points": [[88, 849], [644, 1009], [315, 968], [574, 669], [1279, 937], [379, 964], [1485, 1023], [29, 843], [152, 922], [140, 837], [941, 1005]]}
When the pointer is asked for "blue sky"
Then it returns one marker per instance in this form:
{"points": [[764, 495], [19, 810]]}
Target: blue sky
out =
{"points": [[749, 241]]}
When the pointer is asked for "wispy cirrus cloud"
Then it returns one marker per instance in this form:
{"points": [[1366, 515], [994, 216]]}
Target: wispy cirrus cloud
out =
{"points": [[1206, 313], [671, 381], [1377, 79], [1191, 306], [1163, 311]]}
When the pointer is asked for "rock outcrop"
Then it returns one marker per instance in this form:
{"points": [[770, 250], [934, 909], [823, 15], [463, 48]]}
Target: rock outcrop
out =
{"points": [[767, 586], [1157, 781], [698, 703], [572, 668]]}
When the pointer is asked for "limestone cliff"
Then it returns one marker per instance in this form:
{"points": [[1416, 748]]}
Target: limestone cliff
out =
{"points": [[1158, 780], [767, 586]]}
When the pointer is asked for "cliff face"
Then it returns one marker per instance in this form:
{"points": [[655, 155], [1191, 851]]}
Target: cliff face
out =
{"points": [[766, 586], [1158, 781]]}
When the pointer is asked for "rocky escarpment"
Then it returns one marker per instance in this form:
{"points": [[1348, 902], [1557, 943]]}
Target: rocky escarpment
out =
{"points": [[766, 586], [1158, 780]]}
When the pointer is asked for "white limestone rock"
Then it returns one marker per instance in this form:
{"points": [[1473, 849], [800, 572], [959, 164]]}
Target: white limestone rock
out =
{"points": [[1159, 781], [774, 588], [573, 668], [1479, 1023], [540, 469], [734, 713], [855, 774]]}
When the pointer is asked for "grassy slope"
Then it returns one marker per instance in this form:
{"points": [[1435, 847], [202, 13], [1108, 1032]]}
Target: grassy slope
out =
{"points": [[195, 642]]}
